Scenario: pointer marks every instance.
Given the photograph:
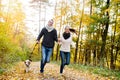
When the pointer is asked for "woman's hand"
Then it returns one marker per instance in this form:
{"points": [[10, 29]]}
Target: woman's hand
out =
{"points": [[59, 41]]}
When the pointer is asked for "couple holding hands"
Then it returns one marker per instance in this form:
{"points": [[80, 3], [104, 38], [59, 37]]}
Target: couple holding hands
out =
{"points": [[49, 34]]}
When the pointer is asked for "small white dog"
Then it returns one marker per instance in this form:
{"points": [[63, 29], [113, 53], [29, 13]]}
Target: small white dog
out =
{"points": [[27, 64]]}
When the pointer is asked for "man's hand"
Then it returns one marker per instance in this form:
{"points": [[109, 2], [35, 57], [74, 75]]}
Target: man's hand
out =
{"points": [[37, 42]]}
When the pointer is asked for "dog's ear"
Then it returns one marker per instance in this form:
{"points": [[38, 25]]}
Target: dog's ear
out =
{"points": [[30, 60]]}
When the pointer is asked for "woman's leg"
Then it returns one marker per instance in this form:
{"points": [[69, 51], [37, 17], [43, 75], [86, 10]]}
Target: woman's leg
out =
{"points": [[67, 58], [62, 61]]}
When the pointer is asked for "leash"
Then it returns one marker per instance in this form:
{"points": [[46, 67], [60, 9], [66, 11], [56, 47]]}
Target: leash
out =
{"points": [[32, 51]]}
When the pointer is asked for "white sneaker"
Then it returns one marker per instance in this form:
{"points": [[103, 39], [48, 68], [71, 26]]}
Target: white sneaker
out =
{"points": [[61, 74]]}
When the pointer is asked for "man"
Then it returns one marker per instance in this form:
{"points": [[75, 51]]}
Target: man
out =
{"points": [[49, 37]]}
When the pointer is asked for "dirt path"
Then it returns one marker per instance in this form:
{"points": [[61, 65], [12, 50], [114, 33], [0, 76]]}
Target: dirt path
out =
{"points": [[51, 73]]}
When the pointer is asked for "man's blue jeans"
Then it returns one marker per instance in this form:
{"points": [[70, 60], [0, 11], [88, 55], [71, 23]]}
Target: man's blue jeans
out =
{"points": [[46, 53], [65, 59]]}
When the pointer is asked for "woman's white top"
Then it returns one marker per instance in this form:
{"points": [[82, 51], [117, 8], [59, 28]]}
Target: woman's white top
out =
{"points": [[65, 43]]}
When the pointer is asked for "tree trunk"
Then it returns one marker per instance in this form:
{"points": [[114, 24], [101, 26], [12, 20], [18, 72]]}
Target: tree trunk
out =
{"points": [[94, 56], [80, 51], [112, 62], [57, 52], [104, 36], [39, 15], [112, 47], [117, 49], [86, 57], [59, 33], [77, 42]]}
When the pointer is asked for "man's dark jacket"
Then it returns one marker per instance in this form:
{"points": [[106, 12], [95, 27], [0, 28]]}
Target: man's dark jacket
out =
{"points": [[48, 37]]}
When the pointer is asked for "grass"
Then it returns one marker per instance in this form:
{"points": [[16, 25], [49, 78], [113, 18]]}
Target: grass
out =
{"points": [[94, 70], [4, 67], [1, 70], [97, 70]]}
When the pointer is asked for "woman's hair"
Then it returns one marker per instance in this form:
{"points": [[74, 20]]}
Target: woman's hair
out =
{"points": [[67, 27], [71, 29]]}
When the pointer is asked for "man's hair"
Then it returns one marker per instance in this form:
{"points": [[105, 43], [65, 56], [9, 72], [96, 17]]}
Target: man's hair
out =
{"points": [[51, 20]]}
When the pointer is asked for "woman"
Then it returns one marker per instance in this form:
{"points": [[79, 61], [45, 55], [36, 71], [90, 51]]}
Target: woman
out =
{"points": [[65, 42]]}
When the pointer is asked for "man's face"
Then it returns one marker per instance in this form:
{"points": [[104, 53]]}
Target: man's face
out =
{"points": [[50, 23]]}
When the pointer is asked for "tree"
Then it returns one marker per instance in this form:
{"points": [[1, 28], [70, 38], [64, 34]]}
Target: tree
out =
{"points": [[113, 36], [77, 42], [11, 33]]}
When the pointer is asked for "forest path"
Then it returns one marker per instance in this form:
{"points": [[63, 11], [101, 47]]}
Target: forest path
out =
{"points": [[51, 73]]}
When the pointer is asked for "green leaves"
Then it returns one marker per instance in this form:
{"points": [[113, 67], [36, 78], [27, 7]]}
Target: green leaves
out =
{"points": [[99, 19]]}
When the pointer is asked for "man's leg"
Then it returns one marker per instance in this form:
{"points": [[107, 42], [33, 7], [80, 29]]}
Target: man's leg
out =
{"points": [[48, 55], [43, 59]]}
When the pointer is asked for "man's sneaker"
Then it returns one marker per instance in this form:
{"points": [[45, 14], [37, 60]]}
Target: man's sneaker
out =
{"points": [[41, 71]]}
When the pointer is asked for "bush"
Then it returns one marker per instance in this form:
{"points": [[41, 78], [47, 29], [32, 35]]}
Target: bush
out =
{"points": [[10, 53]]}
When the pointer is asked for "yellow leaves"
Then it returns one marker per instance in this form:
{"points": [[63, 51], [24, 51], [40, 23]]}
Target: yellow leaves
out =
{"points": [[116, 0], [13, 18], [87, 20], [51, 73]]}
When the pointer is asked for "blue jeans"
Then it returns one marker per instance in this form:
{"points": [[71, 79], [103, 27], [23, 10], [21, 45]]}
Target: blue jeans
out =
{"points": [[46, 53], [65, 59]]}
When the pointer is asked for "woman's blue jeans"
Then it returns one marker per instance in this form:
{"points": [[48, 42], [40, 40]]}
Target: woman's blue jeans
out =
{"points": [[65, 59], [46, 53]]}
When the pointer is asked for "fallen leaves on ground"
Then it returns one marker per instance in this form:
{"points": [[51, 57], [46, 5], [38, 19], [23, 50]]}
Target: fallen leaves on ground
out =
{"points": [[51, 73]]}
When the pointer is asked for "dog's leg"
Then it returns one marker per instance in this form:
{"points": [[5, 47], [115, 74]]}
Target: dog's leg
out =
{"points": [[27, 69]]}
